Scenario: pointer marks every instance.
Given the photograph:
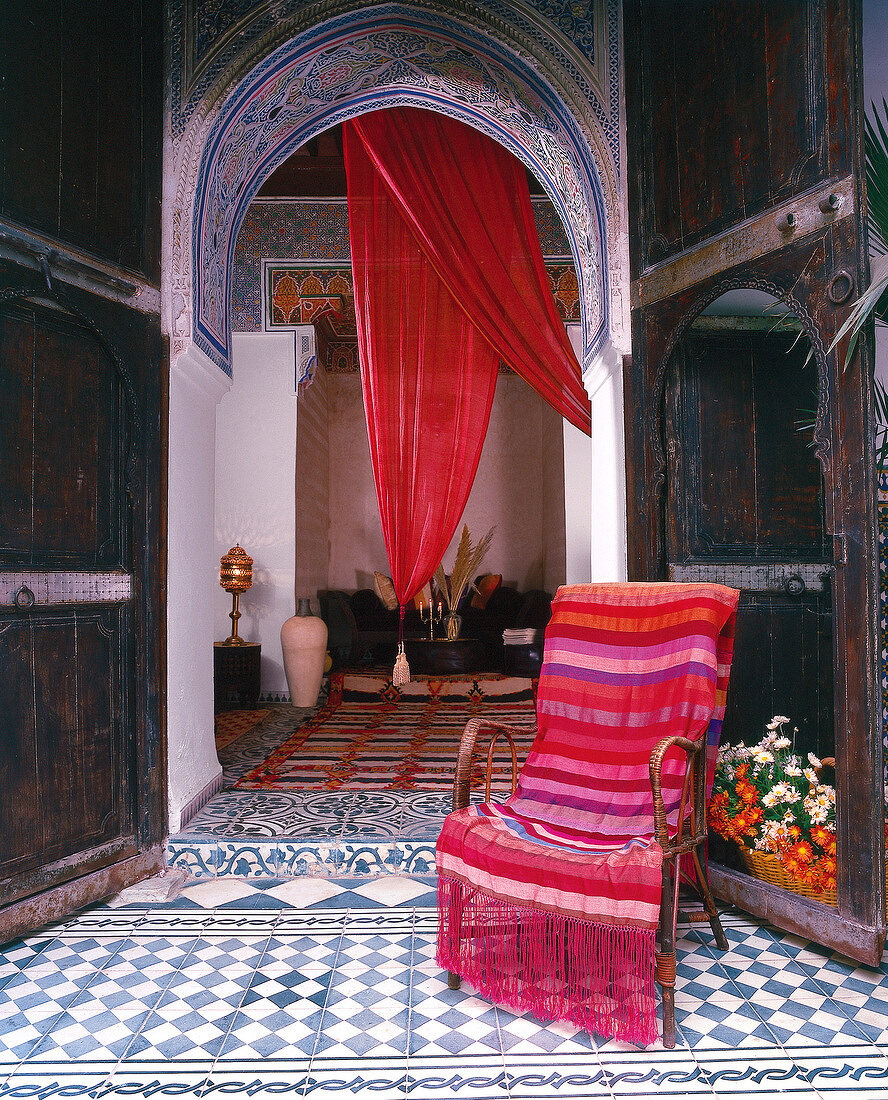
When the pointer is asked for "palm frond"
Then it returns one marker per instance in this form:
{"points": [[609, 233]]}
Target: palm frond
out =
{"points": [[874, 300], [867, 305], [880, 401], [876, 141]]}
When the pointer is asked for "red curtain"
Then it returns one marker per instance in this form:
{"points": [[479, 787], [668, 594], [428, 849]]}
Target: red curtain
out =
{"points": [[467, 202], [449, 279], [428, 378]]}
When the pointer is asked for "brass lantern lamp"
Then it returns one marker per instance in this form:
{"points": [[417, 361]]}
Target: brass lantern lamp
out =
{"points": [[236, 576]]}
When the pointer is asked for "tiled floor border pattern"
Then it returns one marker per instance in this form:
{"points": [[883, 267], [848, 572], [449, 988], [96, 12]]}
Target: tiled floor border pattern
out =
{"points": [[180, 1000], [283, 834]]}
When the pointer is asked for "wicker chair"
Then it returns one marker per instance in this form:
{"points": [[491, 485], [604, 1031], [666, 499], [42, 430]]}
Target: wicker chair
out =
{"points": [[682, 842]]}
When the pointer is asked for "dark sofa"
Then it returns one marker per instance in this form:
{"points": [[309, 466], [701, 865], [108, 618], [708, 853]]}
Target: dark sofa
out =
{"points": [[361, 630]]}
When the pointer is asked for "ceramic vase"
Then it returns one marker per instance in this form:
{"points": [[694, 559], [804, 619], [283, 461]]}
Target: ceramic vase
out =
{"points": [[304, 644]]}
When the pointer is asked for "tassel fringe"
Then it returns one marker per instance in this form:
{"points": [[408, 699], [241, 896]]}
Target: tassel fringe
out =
{"points": [[401, 671], [597, 976]]}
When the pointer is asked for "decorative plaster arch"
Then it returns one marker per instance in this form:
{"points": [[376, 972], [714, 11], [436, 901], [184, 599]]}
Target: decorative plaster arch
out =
{"points": [[364, 60]]}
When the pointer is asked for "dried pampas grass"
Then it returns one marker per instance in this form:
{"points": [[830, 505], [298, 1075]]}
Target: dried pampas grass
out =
{"points": [[468, 560]]}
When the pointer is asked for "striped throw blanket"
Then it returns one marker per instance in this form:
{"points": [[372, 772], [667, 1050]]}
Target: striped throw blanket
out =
{"points": [[549, 903]]}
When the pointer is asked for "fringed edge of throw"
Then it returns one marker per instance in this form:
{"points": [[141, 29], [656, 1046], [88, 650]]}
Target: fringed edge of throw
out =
{"points": [[599, 977]]}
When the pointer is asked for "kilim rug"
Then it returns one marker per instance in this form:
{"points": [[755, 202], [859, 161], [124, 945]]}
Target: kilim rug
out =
{"points": [[231, 724], [370, 734]]}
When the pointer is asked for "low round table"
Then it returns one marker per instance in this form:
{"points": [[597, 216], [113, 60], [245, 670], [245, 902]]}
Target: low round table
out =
{"points": [[444, 655]]}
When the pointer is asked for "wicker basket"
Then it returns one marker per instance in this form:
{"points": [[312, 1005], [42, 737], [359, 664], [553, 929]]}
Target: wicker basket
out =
{"points": [[769, 868]]}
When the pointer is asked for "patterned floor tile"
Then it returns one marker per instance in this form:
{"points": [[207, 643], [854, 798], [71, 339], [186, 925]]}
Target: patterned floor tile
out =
{"points": [[374, 952], [394, 890], [218, 891], [524, 1035], [727, 1022], [192, 1002], [446, 1021], [351, 1027], [529, 1078], [279, 1016]]}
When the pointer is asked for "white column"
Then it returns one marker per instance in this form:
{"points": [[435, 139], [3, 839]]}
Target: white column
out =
{"points": [[594, 475], [604, 384], [196, 386]]}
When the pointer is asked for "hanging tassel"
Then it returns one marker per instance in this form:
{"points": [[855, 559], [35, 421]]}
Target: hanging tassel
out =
{"points": [[401, 671]]}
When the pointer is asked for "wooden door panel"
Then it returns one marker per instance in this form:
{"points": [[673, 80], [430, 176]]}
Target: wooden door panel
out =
{"points": [[738, 115], [82, 441], [60, 452], [80, 105], [783, 665], [64, 758], [701, 169], [16, 432], [18, 773], [743, 475], [75, 480]]}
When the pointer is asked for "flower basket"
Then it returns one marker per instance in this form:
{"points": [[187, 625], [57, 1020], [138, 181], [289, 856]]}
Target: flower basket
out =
{"points": [[769, 868]]}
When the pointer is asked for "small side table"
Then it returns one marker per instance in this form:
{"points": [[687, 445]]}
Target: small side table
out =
{"points": [[236, 674], [444, 656]]}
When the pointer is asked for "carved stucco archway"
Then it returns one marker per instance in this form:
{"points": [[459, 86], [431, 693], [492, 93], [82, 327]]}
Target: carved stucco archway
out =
{"points": [[283, 73], [547, 114]]}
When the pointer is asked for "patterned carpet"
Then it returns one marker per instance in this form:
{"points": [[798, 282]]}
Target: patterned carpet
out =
{"points": [[232, 724], [371, 735]]}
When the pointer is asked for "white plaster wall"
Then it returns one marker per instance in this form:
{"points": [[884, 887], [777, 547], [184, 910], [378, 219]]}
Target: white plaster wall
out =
{"points": [[356, 546], [255, 492], [509, 491], [196, 385], [313, 489]]}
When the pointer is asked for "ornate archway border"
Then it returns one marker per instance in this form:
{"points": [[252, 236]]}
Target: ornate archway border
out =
{"points": [[360, 61]]}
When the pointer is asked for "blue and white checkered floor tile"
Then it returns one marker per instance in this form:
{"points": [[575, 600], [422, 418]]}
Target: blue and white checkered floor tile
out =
{"points": [[253, 990]]}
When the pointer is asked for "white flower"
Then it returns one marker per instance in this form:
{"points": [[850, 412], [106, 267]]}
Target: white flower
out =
{"points": [[793, 770], [770, 799], [813, 761], [762, 756], [782, 743], [784, 793], [776, 722], [811, 776]]}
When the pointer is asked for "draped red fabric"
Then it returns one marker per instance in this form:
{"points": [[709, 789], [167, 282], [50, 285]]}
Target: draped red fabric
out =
{"points": [[467, 203], [428, 378]]}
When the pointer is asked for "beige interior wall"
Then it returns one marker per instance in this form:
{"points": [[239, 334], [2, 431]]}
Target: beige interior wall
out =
{"points": [[313, 489], [519, 489], [553, 538]]}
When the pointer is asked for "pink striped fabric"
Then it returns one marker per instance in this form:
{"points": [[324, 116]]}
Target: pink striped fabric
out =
{"points": [[570, 857]]}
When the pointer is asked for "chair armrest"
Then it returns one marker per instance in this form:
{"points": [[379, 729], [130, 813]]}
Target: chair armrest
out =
{"points": [[463, 779], [693, 751]]}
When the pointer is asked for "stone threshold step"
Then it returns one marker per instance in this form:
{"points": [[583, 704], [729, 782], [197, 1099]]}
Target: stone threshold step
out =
{"points": [[280, 858]]}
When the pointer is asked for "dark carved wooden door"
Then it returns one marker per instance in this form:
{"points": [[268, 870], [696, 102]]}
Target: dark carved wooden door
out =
{"points": [[744, 128], [81, 447]]}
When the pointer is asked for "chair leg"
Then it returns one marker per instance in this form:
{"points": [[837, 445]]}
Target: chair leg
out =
{"points": [[708, 902], [453, 980], [665, 957]]}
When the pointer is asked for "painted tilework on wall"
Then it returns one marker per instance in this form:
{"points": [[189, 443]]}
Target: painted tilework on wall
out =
{"points": [[318, 231]]}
